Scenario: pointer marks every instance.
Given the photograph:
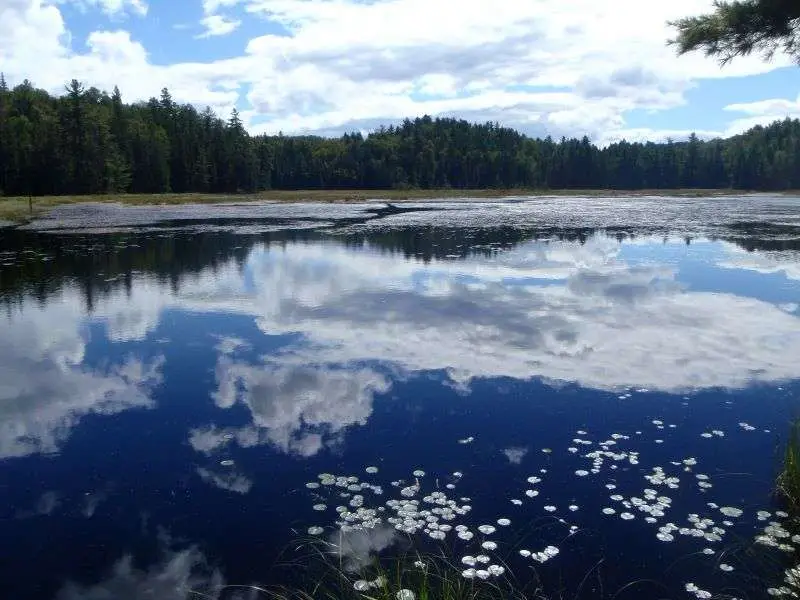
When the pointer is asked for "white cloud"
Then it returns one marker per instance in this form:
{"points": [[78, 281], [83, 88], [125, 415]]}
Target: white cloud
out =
{"points": [[549, 66], [785, 263], [609, 326], [515, 455], [762, 112], [172, 578], [111, 7], [296, 408], [229, 481], [602, 323], [216, 25], [356, 549], [45, 387], [212, 6]]}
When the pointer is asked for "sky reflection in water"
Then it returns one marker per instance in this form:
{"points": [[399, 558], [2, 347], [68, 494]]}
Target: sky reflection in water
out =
{"points": [[164, 406]]}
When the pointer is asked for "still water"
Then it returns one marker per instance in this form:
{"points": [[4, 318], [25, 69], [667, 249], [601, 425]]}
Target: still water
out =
{"points": [[615, 379]]}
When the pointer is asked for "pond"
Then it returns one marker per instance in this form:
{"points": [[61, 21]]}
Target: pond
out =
{"points": [[588, 398]]}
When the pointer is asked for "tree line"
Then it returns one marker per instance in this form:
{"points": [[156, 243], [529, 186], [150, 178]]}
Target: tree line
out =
{"points": [[88, 142]]}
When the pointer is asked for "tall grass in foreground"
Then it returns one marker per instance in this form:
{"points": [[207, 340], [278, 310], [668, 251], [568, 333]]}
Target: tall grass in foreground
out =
{"points": [[788, 483], [787, 490], [320, 573]]}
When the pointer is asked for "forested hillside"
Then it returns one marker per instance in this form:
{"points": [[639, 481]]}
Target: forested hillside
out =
{"points": [[87, 142]]}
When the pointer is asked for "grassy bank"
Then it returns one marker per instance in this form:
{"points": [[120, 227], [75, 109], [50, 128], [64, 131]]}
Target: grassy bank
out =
{"points": [[19, 208]]}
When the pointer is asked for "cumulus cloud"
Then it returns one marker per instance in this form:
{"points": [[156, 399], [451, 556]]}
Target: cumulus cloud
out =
{"points": [[294, 408], [45, 386], [786, 263], [45, 506], [762, 112], [515, 455], [216, 25], [172, 578], [356, 549], [559, 67], [599, 322], [111, 8], [229, 481], [606, 328]]}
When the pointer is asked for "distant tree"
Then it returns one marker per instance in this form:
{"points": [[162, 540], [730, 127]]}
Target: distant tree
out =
{"points": [[86, 141], [740, 27]]}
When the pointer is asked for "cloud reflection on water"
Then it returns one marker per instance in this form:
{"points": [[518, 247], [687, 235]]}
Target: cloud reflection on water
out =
{"points": [[561, 311], [46, 387]]}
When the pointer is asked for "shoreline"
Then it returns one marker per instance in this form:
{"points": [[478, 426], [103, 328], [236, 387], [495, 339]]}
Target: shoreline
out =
{"points": [[17, 209]]}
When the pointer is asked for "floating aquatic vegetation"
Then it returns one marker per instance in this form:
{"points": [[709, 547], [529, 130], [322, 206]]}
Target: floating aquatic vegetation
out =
{"points": [[699, 593], [495, 570], [545, 555], [429, 514]]}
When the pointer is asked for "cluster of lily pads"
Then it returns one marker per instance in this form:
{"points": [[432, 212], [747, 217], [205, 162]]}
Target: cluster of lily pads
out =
{"points": [[424, 508], [791, 584], [431, 514]]}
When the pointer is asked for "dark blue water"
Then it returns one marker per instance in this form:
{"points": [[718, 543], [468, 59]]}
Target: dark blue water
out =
{"points": [[166, 395]]}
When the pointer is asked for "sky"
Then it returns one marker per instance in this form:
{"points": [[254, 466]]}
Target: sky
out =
{"points": [[545, 67]]}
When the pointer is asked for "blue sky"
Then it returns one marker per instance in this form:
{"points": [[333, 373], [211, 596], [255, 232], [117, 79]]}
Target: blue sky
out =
{"points": [[557, 67]]}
